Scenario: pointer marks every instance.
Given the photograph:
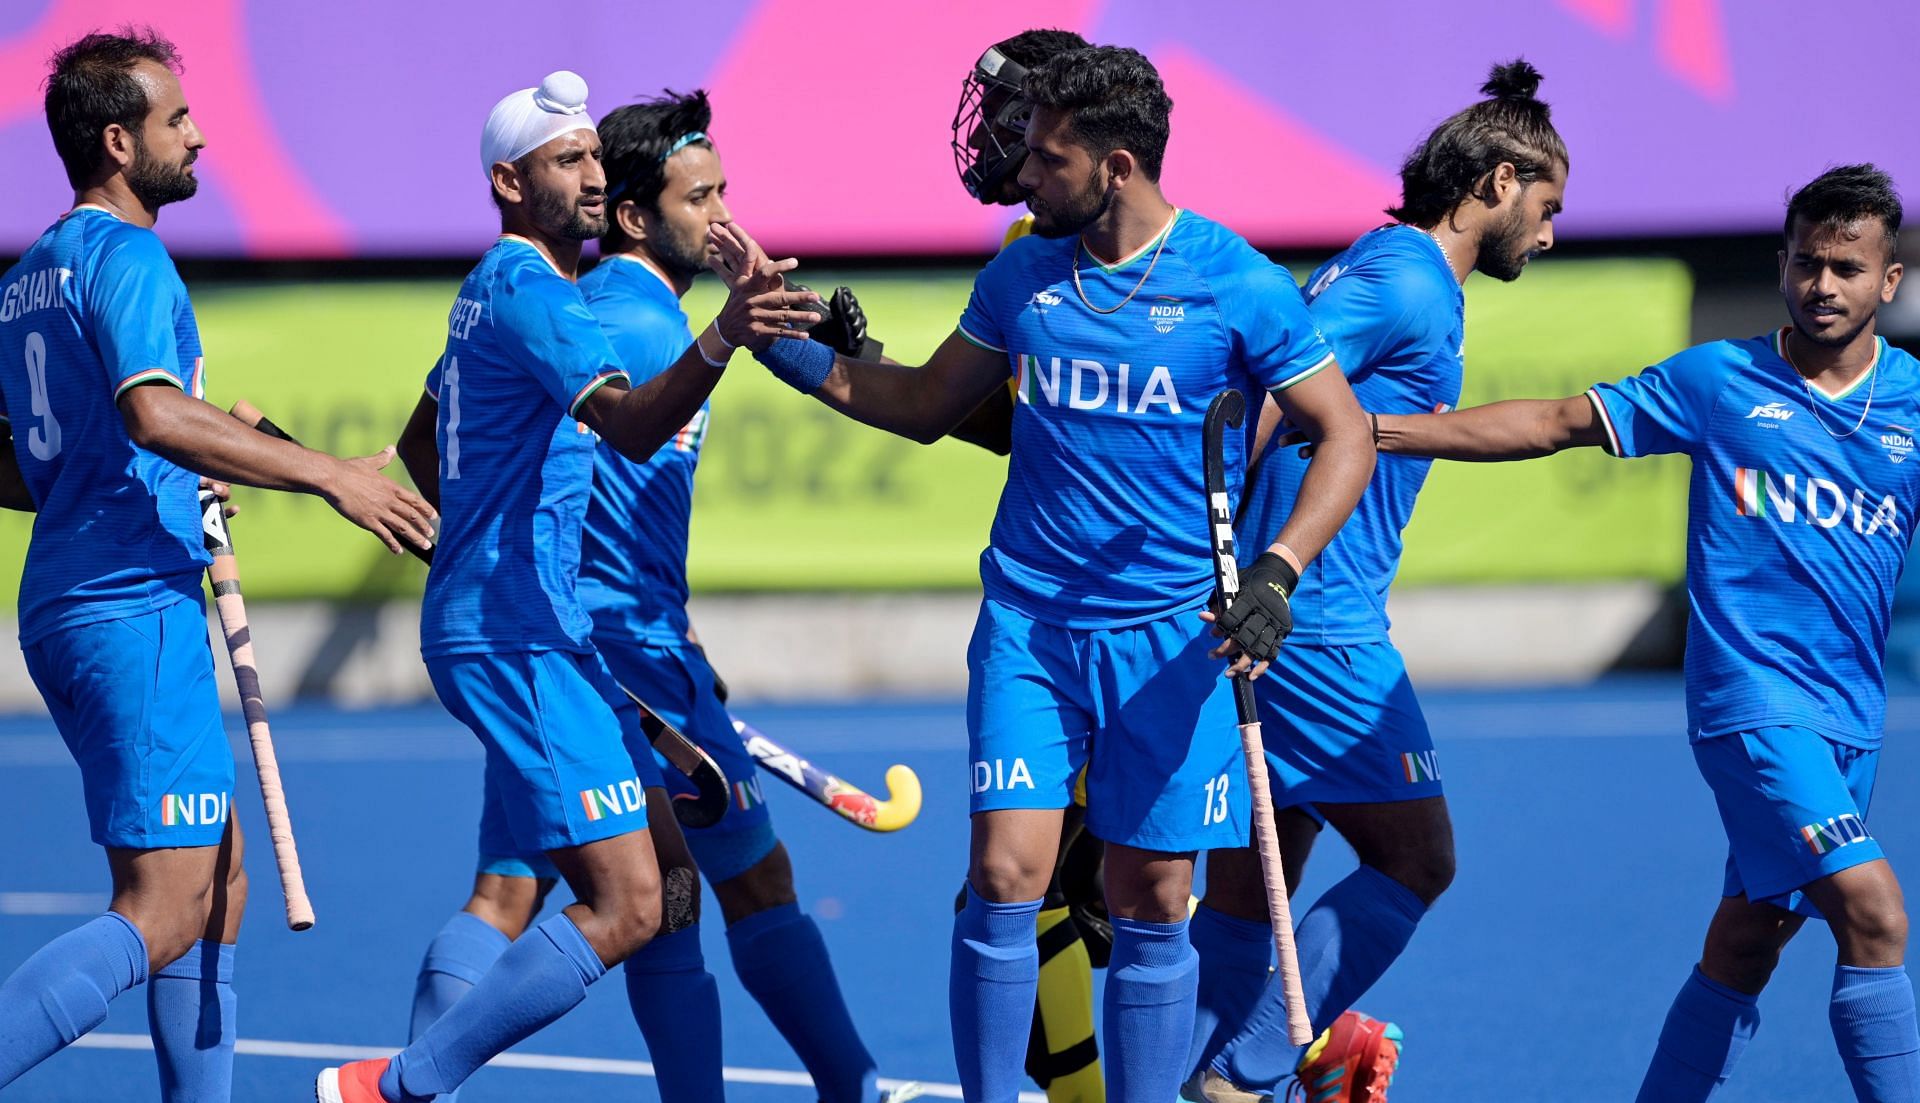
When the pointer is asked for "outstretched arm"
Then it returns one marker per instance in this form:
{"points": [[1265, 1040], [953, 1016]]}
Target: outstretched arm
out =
{"points": [[1517, 429], [203, 439]]}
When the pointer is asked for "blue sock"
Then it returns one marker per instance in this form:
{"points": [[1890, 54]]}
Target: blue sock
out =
{"points": [[190, 1013], [1873, 1023], [1707, 1027], [677, 1005], [1151, 979], [782, 962], [1235, 956], [992, 982], [538, 979], [456, 959], [62, 991], [1345, 942]]}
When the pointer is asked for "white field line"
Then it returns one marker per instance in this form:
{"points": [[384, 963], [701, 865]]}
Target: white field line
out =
{"points": [[545, 1062]]}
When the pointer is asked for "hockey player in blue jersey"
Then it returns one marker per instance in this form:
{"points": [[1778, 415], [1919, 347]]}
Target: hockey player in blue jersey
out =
{"points": [[100, 362], [1120, 318], [665, 185], [527, 385], [1800, 515], [1344, 732]]}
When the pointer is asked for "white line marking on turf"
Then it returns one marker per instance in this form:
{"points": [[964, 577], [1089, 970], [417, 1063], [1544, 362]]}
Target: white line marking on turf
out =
{"points": [[52, 903], [546, 1062]]}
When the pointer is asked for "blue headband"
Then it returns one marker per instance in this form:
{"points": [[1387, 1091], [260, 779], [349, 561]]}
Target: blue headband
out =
{"points": [[684, 141]]}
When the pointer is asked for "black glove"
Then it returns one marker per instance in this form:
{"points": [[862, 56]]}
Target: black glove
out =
{"points": [[843, 324], [1261, 616]]}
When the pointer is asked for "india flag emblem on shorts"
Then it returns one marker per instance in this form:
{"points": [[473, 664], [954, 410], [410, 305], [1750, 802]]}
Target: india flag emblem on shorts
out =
{"points": [[1420, 766], [611, 800], [747, 794]]}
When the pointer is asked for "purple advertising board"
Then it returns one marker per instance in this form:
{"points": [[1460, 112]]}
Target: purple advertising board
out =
{"points": [[350, 128]]}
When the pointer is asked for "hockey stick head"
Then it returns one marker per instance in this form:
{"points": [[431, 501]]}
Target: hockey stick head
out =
{"points": [[709, 801]]}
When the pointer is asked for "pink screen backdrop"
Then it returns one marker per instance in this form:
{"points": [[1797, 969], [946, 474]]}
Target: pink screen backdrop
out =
{"points": [[349, 128]]}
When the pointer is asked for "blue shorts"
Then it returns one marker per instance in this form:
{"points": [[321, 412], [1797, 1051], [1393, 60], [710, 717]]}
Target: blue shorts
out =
{"points": [[1142, 707], [1341, 725], [136, 701], [677, 683], [1794, 805], [567, 762]]}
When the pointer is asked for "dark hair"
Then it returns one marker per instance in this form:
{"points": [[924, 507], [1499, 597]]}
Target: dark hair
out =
{"points": [[1114, 100], [91, 88], [1845, 195], [1514, 126], [1031, 49], [637, 138]]}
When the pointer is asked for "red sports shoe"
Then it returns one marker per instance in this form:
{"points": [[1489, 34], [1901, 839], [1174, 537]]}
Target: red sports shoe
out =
{"points": [[358, 1082], [1351, 1061]]}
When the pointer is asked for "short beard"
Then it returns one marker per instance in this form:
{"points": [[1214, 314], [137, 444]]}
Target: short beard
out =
{"points": [[155, 183], [1082, 210], [678, 256], [563, 217], [1503, 254], [1832, 340]]}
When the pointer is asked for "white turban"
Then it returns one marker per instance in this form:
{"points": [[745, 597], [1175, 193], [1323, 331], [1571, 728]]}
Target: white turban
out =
{"points": [[532, 117]]}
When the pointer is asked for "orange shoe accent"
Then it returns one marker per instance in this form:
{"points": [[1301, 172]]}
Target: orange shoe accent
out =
{"points": [[357, 1082], [1353, 1061]]}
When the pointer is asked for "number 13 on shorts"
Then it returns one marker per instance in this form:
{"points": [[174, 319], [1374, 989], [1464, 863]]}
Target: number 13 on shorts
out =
{"points": [[1215, 809]]}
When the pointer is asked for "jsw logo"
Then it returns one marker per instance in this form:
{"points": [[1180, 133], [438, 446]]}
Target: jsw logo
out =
{"points": [[1046, 298], [1772, 411], [1090, 385], [1817, 501]]}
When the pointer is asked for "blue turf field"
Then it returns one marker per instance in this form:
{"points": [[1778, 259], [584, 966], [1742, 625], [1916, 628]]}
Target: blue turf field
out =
{"points": [[1589, 863]]}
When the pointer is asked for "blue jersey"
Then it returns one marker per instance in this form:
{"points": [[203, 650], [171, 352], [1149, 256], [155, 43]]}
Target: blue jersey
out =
{"points": [[1800, 513], [94, 307], [1392, 310], [633, 575], [1102, 523], [515, 466]]}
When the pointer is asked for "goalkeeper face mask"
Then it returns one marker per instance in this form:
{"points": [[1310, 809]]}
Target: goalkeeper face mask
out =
{"points": [[990, 128]]}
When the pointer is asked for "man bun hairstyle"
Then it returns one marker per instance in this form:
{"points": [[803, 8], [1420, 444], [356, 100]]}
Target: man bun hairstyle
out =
{"points": [[636, 140], [1513, 126], [1845, 195], [1113, 98], [91, 87]]}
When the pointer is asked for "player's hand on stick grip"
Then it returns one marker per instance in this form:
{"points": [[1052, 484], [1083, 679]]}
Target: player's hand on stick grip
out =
{"points": [[357, 491], [221, 493], [1260, 616]]}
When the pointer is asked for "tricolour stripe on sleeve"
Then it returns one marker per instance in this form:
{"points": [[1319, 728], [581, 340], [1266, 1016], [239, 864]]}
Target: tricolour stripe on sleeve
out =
{"points": [[151, 375], [1302, 376], [597, 382], [977, 341], [1606, 421]]}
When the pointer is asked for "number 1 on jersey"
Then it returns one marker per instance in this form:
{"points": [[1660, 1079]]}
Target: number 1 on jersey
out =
{"points": [[450, 383]]}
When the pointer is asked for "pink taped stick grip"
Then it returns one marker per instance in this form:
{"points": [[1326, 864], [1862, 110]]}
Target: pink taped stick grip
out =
{"points": [[1266, 837], [239, 637]]}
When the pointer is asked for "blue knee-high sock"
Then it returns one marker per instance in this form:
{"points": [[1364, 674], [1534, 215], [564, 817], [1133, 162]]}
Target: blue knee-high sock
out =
{"points": [[991, 984], [783, 964], [455, 961], [1345, 942], [190, 1014], [1151, 979], [1706, 1030], [1873, 1022], [677, 1005], [1235, 956], [538, 979], [62, 991]]}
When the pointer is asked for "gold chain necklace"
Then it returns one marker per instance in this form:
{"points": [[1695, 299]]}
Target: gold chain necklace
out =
{"points": [[1080, 243]]}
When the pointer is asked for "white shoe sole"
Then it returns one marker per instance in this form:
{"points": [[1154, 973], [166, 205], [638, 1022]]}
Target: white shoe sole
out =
{"points": [[326, 1087]]}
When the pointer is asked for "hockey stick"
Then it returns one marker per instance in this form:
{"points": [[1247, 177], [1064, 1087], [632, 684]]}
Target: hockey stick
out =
{"points": [[702, 810], [1227, 411], [855, 804], [225, 576]]}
